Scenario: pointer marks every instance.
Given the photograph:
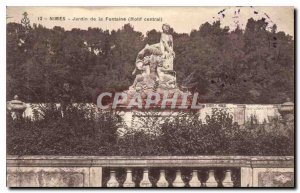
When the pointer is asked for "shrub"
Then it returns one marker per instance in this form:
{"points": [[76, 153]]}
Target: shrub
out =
{"points": [[79, 130], [190, 136], [186, 134]]}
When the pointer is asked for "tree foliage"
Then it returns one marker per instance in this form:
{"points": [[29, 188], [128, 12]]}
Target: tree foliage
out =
{"points": [[241, 66]]}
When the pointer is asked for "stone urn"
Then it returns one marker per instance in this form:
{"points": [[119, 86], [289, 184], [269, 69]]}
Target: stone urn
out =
{"points": [[16, 107], [286, 110]]}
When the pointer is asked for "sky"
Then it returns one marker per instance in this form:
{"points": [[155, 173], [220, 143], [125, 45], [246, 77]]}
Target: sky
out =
{"points": [[182, 19]]}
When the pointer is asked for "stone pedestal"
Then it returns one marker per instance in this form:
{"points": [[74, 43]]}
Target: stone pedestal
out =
{"points": [[246, 177]]}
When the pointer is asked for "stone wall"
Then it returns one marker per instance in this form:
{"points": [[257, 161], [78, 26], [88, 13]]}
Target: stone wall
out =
{"points": [[243, 112]]}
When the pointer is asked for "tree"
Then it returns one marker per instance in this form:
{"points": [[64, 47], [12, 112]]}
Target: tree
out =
{"points": [[254, 65]]}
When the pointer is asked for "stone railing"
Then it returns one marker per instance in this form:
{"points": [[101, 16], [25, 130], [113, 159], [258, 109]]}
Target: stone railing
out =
{"points": [[150, 171]]}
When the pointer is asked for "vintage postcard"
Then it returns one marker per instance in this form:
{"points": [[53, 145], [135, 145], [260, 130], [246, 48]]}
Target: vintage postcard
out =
{"points": [[150, 97]]}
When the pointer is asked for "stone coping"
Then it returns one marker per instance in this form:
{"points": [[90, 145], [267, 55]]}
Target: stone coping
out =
{"points": [[151, 161]]}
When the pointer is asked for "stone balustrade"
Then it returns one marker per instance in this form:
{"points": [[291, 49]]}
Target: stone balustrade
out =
{"points": [[174, 178], [150, 171]]}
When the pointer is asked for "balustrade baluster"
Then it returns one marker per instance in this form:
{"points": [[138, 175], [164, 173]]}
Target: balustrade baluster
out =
{"points": [[112, 182], [162, 182], [227, 182], [195, 182], [145, 181], [129, 182], [211, 181], [178, 182]]}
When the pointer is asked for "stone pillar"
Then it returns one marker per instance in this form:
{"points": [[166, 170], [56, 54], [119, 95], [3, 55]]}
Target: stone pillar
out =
{"points": [[95, 177], [239, 114], [246, 177]]}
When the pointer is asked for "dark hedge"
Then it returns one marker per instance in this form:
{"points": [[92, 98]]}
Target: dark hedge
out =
{"points": [[81, 131]]}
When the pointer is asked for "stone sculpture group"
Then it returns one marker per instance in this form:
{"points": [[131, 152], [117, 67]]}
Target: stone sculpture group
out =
{"points": [[154, 65]]}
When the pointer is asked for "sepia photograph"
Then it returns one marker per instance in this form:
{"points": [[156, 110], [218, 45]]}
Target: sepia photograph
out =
{"points": [[150, 97]]}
